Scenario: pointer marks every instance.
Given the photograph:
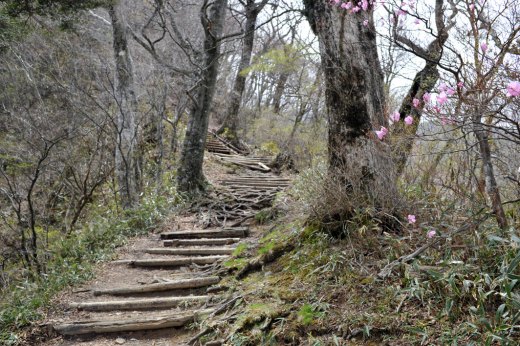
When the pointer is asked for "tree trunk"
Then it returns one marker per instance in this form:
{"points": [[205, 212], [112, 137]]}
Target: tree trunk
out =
{"points": [[488, 170], [357, 160], [278, 92], [190, 177], [126, 161], [230, 124]]}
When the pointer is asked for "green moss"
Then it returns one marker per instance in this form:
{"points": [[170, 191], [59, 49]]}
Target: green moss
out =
{"points": [[240, 249]]}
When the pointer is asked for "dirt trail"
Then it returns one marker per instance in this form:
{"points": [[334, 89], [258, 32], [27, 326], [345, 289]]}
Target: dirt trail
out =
{"points": [[164, 281]]}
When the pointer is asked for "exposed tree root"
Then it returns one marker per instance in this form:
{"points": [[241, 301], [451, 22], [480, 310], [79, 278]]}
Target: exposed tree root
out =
{"points": [[269, 257]]}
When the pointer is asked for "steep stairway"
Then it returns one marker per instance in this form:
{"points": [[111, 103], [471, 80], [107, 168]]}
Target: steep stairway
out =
{"points": [[169, 281]]}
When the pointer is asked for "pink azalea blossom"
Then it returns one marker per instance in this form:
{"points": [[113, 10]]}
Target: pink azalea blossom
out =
{"points": [[356, 9], [411, 219], [382, 133], [472, 7], [336, 1], [442, 98], [450, 91], [444, 120], [408, 120], [364, 5], [417, 21], [431, 233], [437, 109], [426, 97], [365, 22], [400, 12], [443, 87], [416, 102], [513, 89], [484, 47], [460, 85], [346, 5], [395, 117]]}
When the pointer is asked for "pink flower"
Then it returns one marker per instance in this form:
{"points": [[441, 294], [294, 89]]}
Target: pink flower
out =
{"points": [[365, 22], [443, 87], [382, 133], [450, 91], [431, 233], [442, 98], [444, 120], [513, 89], [472, 7], [437, 109], [395, 117], [346, 5], [364, 5], [356, 9], [417, 21], [426, 97], [416, 102], [484, 47], [411, 219], [408, 120], [460, 85], [400, 12]]}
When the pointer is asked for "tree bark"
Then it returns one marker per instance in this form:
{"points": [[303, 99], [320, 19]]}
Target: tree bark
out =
{"points": [[231, 120], [355, 101], [126, 160], [488, 170], [190, 177], [424, 81]]}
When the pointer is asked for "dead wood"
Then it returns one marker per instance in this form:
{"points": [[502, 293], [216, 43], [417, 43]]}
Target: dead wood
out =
{"points": [[125, 325], [175, 262], [203, 241], [159, 287], [224, 233], [134, 304], [191, 251]]}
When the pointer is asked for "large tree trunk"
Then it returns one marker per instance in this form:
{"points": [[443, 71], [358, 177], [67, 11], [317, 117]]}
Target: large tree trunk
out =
{"points": [[230, 125], [127, 170], [358, 161], [190, 177]]}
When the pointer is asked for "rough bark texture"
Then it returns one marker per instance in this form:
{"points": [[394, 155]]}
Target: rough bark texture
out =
{"points": [[358, 161], [231, 121], [488, 170], [126, 168], [190, 176]]}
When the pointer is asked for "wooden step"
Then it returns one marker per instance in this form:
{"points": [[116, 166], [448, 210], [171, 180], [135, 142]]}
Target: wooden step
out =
{"points": [[224, 233], [202, 251], [160, 287], [176, 262], [130, 324], [202, 241], [135, 304]]}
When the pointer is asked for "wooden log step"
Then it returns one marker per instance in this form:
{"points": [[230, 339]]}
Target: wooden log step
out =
{"points": [[176, 262], [257, 183], [130, 324], [139, 304], [202, 241], [191, 251], [223, 233], [258, 178], [160, 287]]}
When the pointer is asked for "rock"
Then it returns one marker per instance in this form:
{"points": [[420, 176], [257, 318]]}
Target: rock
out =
{"points": [[120, 341]]}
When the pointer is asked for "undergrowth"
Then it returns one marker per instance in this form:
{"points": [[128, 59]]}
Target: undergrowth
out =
{"points": [[72, 261]]}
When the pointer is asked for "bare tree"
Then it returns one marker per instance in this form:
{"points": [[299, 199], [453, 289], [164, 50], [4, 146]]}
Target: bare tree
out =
{"points": [[126, 167], [190, 176]]}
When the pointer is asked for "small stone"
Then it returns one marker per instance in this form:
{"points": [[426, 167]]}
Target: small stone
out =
{"points": [[120, 341]]}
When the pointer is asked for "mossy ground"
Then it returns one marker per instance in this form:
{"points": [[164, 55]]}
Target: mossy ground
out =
{"points": [[325, 292]]}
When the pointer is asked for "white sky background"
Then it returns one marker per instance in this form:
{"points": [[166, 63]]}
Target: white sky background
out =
{"points": [[420, 34]]}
